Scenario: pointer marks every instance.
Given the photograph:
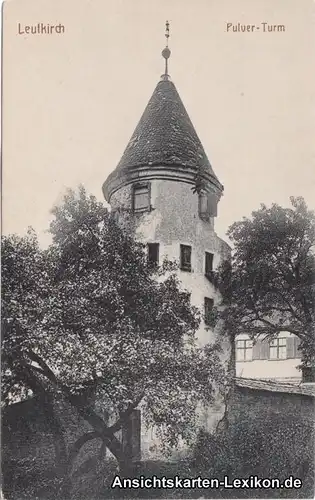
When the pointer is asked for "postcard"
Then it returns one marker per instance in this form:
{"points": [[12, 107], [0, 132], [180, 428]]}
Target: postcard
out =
{"points": [[158, 235]]}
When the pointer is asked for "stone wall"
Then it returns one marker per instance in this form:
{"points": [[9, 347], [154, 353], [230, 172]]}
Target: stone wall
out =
{"points": [[253, 399], [173, 219], [27, 439], [271, 430]]}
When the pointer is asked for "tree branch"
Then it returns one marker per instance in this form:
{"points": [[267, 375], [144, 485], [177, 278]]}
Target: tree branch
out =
{"points": [[45, 368], [126, 414], [74, 451]]}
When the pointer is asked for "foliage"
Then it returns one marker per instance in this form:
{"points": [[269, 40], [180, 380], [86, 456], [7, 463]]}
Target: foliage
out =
{"points": [[90, 319], [274, 448], [269, 286]]}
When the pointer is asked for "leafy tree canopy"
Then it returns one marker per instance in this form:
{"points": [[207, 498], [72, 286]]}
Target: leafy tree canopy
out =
{"points": [[90, 315], [269, 285]]}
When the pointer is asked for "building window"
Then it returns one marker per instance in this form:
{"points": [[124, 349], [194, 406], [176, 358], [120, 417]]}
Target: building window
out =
{"points": [[153, 253], [203, 206], [208, 310], [244, 350], [207, 205], [213, 205], [185, 258], [209, 263], [141, 197], [278, 348]]}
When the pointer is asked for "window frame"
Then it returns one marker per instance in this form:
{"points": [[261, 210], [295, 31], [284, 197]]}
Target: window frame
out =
{"points": [[244, 349], [142, 185], [277, 347], [207, 310], [211, 205], [209, 272], [184, 266], [157, 246], [204, 215]]}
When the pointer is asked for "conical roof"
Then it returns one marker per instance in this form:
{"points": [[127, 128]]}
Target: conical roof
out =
{"points": [[164, 136]]}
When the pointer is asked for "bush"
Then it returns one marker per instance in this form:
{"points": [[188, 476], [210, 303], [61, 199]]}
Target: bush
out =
{"points": [[277, 448]]}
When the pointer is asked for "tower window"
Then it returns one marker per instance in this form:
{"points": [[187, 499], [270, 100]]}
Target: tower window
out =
{"points": [[207, 205], [185, 258], [141, 197], [153, 253], [208, 310], [203, 206], [209, 264], [212, 205]]}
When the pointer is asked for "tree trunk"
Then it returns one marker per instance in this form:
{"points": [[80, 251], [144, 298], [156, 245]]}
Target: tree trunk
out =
{"points": [[126, 468], [57, 433], [231, 373]]}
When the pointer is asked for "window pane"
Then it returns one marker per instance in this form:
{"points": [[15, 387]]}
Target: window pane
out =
{"points": [[203, 203], [209, 262], [141, 197], [153, 253], [208, 308], [185, 257], [273, 353], [282, 341], [240, 344], [141, 200], [249, 343], [249, 354], [212, 205], [282, 352], [240, 354], [209, 303]]}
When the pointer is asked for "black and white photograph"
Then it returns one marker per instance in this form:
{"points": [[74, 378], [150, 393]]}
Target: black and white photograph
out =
{"points": [[158, 249]]}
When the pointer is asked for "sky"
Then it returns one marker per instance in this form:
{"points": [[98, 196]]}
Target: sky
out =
{"points": [[71, 101]]}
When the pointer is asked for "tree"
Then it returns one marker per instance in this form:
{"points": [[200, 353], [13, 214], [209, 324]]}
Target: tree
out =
{"points": [[269, 285], [92, 320]]}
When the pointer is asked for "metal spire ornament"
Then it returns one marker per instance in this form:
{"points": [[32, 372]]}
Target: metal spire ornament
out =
{"points": [[166, 51]]}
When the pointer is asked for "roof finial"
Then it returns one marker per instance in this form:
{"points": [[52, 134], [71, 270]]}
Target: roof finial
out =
{"points": [[167, 32], [166, 52]]}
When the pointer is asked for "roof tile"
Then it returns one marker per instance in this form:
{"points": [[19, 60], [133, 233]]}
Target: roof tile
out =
{"points": [[165, 135]]}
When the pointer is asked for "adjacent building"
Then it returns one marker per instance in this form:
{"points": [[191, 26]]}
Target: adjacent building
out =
{"points": [[277, 359]]}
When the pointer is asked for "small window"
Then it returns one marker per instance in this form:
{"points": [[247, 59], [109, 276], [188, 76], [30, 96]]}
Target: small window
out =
{"points": [[278, 349], [185, 258], [213, 205], [207, 205], [153, 253], [209, 263], [141, 198], [208, 310], [203, 205], [244, 350]]}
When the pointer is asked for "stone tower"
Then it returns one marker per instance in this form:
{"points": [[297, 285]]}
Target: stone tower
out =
{"points": [[165, 180]]}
